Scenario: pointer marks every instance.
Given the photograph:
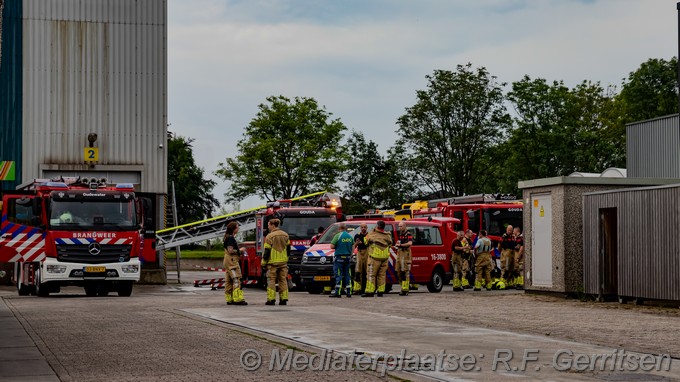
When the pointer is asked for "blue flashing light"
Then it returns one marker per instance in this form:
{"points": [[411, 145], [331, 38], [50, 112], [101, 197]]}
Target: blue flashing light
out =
{"points": [[125, 186], [58, 185]]}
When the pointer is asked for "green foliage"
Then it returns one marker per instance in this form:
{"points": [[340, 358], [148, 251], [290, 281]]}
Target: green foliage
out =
{"points": [[452, 124], [559, 130], [193, 193], [290, 148], [650, 91], [374, 181]]}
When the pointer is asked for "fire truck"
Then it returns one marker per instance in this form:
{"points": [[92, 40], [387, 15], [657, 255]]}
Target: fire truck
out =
{"points": [[300, 218], [431, 253], [73, 231], [491, 212]]}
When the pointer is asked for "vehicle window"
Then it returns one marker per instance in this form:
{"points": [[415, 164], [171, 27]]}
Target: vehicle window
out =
{"points": [[19, 213], [499, 218], [473, 220], [102, 214], [352, 229], [304, 227], [426, 235]]}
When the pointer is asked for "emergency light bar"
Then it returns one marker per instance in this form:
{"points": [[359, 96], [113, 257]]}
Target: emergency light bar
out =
{"points": [[125, 187]]}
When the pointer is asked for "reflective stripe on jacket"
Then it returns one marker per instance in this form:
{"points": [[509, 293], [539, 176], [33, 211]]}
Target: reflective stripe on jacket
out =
{"points": [[278, 241], [379, 244]]}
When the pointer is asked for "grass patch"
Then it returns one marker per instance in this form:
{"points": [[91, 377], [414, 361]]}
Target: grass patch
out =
{"points": [[196, 254]]}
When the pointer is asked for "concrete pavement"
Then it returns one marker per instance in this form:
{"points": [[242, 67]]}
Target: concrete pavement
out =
{"points": [[407, 340], [20, 359]]}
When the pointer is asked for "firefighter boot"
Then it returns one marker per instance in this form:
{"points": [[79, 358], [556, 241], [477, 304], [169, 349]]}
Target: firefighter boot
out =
{"points": [[478, 285], [465, 284], [404, 288], [271, 297], [229, 298], [238, 297], [357, 286], [490, 285], [510, 282], [519, 283], [457, 285]]}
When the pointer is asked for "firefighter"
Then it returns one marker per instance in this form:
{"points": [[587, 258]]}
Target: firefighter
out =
{"points": [[315, 238], [404, 258], [483, 262], [469, 259], [457, 251], [379, 243], [362, 258], [343, 244], [232, 282], [507, 248], [519, 258], [275, 258]]}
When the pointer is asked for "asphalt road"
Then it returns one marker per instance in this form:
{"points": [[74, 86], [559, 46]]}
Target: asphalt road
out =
{"points": [[183, 333]]}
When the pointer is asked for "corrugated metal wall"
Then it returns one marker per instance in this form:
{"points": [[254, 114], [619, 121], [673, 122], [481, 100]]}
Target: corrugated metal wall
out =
{"points": [[10, 89], [653, 148], [648, 249], [96, 66]]}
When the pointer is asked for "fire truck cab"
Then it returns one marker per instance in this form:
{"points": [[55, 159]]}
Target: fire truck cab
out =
{"points": [[74, 231], [431, 253]]}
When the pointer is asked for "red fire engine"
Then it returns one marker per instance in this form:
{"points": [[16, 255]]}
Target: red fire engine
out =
{"points": [[491, 212], [72, 231]]}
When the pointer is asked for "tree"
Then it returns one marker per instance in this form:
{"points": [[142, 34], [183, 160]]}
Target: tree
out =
{"points": [[373, 180], [453, 122], [193, 193], [651, 91], [291, 148], [364, 168], [559, 130]]}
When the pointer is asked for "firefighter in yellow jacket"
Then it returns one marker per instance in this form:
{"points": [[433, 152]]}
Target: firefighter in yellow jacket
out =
{"points": [[275, 258], [232, 281], [404, 258], [379, 243]]}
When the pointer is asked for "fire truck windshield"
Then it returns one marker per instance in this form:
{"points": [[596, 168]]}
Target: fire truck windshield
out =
{"points": [[304, 227], [104, 215], [496, 220]]}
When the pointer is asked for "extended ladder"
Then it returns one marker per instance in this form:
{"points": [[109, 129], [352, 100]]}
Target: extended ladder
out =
{"points": [[212, 228]]}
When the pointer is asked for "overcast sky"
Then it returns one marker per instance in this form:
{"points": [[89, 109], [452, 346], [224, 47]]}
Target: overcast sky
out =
{"points": [[364, 59]]}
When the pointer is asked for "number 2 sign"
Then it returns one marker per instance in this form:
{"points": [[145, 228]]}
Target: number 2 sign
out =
{"points": [[91, 154]]}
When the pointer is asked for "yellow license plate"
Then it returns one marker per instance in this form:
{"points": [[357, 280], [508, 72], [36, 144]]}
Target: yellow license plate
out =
{"points": [[95, 269], [322, 278]]}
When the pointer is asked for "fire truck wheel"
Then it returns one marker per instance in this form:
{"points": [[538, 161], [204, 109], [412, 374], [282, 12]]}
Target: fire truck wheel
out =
{"points": [[437, 282], [125, 288], [22, 289], [41, 289]]}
